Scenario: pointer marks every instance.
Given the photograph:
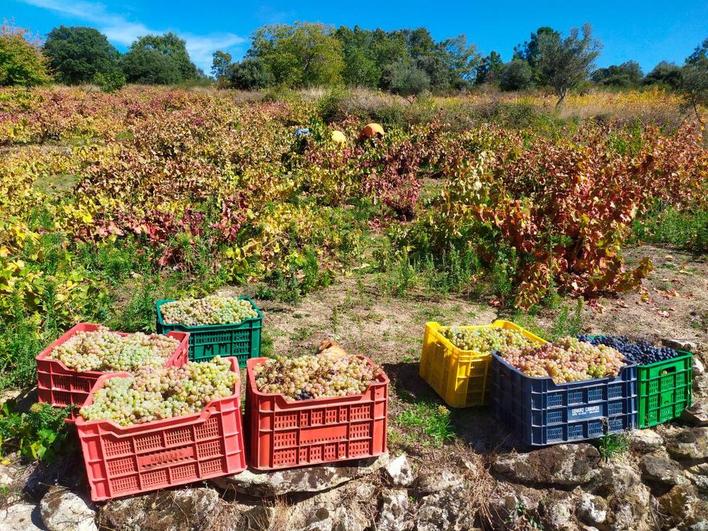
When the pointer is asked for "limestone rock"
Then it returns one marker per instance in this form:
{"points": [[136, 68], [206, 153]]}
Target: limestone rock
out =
{"points": [[21, 517], [399, 471], [696, 414], [176, 510], [591, 510], [684, 507], [432, 482], [698, 474], [628, 499], [393, 512], [297, 480], [661, 470], [680, 344], [448, 509], [565, 465], [558, 514], [645, 441], [689, 444], [62, 510]]}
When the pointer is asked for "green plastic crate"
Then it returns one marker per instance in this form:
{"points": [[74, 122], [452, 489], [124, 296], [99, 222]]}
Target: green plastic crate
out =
{"points": [[664, 389], [242, 340]]}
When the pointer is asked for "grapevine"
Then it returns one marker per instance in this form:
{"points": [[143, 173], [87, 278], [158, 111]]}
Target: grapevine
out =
{"points": [[306, 377], [155, 393], [103, 350], [213, 309], [566, 360]]}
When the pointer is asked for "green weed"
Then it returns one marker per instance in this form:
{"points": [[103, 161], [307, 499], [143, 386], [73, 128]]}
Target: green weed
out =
{"points": [[36, 434], [612, 445], [432, 419]]}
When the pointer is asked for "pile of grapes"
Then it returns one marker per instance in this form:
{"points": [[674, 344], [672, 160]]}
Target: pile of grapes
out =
{"points": [[566, 360], [640, 352], [306, 377], [213, 309], [485, 339], [104, 350], [154, 393]]}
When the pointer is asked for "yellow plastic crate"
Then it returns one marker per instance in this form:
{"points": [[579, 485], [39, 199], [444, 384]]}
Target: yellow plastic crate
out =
{"points": [[459, 376]]}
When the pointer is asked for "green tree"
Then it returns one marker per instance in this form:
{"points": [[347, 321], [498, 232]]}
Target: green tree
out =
{"points": [[407, 79], [516, 75], [664, 73], [21, 61], [249, 74], [489, 69], [158, 59], [565, 63], [626, 75], [694, 78], [299, 55], [530, 51], [361, 67], [220, 66], [77, 54]]}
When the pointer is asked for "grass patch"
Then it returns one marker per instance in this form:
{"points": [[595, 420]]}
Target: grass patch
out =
{"points": [[613, 445], [686, 230], [432, 420]]}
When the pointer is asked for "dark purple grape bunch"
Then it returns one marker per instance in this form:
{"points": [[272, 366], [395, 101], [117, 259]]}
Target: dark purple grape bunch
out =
{"points": [[639, 351]]}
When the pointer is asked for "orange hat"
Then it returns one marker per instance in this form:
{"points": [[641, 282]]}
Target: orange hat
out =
{"points": [[370, 131]]}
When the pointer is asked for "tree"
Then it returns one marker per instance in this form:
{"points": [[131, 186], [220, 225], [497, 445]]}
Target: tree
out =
{"points": [[77, 54], [530, 50], [158, 59], [626, 75], [489, 69], [220, 66], [565, 63], [694, 78], [299, 55], [406, 79], [516, 75], [249, 74], [360, 65], [21, 61], [664, 73]]}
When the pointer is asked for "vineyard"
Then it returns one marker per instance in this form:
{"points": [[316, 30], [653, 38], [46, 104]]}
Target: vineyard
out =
{"points": [[477, 205]]}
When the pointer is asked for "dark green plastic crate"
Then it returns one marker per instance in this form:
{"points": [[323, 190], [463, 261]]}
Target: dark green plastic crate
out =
{"points": [[242, 340], [664, 389]]}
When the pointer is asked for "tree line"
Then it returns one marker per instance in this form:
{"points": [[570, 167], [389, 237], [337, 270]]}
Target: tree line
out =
{"points": [[406, 62]]}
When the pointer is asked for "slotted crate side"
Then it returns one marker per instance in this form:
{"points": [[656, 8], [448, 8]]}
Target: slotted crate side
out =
{"points": [[665, 389], [460, 377], [61, 386], [242, 340], [123, 461], [541, 412], [285, 434]]}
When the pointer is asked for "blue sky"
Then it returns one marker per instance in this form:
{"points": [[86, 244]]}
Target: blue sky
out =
{"points": [[647, 31]]}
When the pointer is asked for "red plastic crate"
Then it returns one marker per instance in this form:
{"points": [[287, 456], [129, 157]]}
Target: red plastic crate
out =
{"points": [[127, 460], [288, 434], [61, 386]]}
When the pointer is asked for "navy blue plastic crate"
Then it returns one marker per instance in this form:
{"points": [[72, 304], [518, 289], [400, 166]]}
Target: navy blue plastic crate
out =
{"points": [[541, 412]]}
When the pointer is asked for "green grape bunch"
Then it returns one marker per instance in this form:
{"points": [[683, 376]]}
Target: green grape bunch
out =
{"points": [[566, 360], [485, 340], [306, 377], [213, 309], [155, 393], [106, 350]]}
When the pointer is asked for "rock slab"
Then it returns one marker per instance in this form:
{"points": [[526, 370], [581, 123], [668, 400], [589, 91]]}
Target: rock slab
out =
{"points": [[62, 510], [298, 480]]}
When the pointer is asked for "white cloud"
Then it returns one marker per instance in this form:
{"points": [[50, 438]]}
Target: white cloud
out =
{"points": [[122, 31]]}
